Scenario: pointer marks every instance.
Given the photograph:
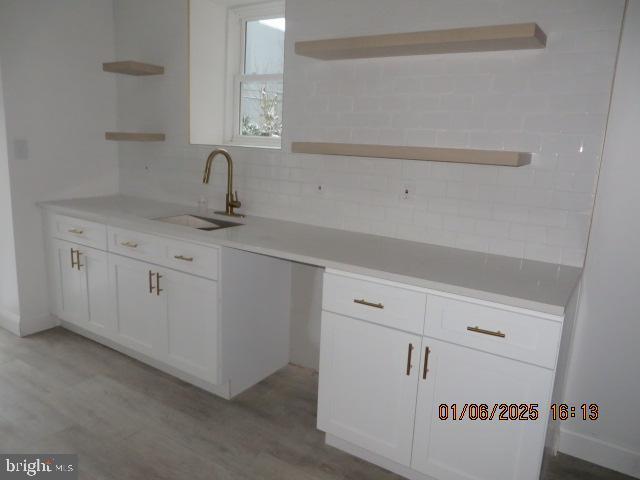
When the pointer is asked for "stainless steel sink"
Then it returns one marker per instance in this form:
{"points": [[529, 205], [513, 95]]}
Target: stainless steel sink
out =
{"points": [[197, 222]]}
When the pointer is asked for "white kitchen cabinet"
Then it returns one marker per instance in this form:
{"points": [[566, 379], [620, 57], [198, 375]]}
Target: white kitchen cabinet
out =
{"points": [[368, 384], [69, 283], [190, 316], [160, 300], [464, 449], [169, 316], [81, 285], [138, 307], [95, 265], [375, 405]]}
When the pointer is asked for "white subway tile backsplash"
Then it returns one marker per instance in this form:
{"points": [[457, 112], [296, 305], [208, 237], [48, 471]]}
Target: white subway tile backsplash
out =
{"points": [[340, 103], [472, 83], [475, 209], [492, 228], [437, 85], [511, 248], [550, 102], [492, 102], [548, 217], [407, 85], [454, 102], [418, 138], [543, 253], [462, 191], [472, 242], [426, 218], [528, 233], [452, 139]]}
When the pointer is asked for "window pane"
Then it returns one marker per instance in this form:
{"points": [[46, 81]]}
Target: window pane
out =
{"points": [[264, 46], [261, 108]]}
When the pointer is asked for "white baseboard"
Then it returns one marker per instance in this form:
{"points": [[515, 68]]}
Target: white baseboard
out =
{"points": [[600, 452], [10, 321], [34, 325]]}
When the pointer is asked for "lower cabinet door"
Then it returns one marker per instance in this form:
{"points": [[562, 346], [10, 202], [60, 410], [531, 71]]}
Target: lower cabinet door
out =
{"points": [[449, 447], [368, 385], [139, 306], [191, 324], [69, 283], [95, 265]]}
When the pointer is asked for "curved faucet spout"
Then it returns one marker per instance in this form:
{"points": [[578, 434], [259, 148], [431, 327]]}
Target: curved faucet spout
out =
{"points": [[232, 200]]}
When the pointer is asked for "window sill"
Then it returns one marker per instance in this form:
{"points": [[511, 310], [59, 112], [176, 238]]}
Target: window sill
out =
{"points": [[250, 145]]}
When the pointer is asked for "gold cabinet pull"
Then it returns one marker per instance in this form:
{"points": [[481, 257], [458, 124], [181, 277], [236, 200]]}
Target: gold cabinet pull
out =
{"points": [[409, 354], [129, 244], [362, 301], [76, 231], [150, 282], [158, 289], [425, 368], [78, 264], [73, 258], [477, 329], [183, 258]]}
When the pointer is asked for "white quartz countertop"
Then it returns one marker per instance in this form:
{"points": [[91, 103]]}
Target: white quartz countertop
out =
{"points": [[542, 287]]}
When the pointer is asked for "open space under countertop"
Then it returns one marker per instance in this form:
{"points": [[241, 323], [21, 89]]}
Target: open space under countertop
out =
{"points": [[539, 286]]}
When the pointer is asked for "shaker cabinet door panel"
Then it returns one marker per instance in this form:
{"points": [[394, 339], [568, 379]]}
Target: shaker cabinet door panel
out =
{"points": [[478, 449], [368, 385], [192, 324], [70, 287], [95, 264], [139, 310]]}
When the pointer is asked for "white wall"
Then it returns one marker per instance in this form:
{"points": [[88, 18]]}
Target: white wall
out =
{"points": [[552, 102], [9, 304], [58, 105], [605, 364]]}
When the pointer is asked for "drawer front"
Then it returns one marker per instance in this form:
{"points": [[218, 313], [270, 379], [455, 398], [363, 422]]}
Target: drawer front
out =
{"points": [[391, 306], [514, 335], [183, 256], [136, 245], [191, 258], [79, 231]]}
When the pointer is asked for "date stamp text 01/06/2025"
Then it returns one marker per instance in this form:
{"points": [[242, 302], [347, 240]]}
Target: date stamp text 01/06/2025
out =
{"points": [[516, 411]]}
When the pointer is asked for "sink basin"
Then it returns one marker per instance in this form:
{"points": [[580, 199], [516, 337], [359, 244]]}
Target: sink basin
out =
{"points": [[197, 222]]}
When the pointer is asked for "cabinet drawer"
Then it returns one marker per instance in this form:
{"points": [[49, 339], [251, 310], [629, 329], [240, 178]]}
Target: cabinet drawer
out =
{"points": [[514, 335], [191, 258], [380, 303], [79, 231], [183, 256], [136, 245]]}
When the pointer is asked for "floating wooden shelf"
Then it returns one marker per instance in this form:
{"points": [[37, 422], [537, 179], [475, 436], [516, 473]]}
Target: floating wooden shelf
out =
{"points": [[134, 137], [130, 67], [458, 40], [455, 155]]}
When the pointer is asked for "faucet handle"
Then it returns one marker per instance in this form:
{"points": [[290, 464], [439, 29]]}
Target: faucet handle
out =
{"points": [[234, 200]]}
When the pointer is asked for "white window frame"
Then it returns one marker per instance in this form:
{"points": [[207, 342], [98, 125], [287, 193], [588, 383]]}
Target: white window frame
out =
{"points": [[237, 19]]}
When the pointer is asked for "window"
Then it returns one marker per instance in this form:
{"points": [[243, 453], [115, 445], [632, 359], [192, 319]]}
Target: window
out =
{"points": [[255, 78]]}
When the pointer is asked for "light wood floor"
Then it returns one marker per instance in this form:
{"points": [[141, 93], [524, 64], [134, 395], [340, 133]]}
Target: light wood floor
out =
{"points": [[61, 393]]}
